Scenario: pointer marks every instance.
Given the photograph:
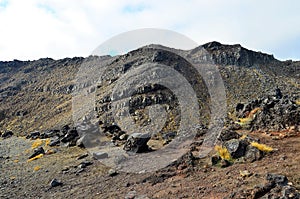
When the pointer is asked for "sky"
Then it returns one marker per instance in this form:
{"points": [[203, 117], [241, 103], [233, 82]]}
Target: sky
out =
{"points": [[33, 29]]}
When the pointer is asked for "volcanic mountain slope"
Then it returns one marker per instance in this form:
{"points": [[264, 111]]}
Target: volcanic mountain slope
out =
{"points": [[36, 95]]}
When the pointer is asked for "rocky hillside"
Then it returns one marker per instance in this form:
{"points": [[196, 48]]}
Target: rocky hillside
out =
{"points": [[36, 95], [60, 104]]}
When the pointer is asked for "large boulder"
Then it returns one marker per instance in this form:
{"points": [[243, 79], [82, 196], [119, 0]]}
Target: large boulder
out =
{"points": [[137, 143]]}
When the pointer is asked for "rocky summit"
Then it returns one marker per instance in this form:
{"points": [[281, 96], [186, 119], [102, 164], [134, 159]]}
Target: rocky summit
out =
{"points": [[66, 119]]}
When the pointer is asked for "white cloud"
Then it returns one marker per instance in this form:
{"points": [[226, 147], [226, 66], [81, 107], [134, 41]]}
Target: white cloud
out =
{"points": [[33, 29]]}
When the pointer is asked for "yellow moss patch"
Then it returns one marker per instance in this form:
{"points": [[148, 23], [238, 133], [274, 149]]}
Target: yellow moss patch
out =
{"points": [[261, 147], [223, 152], [47, 142], [36, 143], [298, 102], [36, 168], [16, 161], [36, 157]]}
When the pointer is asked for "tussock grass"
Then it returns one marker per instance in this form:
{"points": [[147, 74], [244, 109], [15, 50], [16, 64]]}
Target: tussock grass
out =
{"points": [[36, 143], [223, 152], [261, 147], [35, 157]]}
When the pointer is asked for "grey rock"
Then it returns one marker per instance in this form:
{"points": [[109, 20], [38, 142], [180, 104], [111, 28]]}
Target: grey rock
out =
{"points": [[252, 154], [112, 172], [236, 147], [100, 155]]}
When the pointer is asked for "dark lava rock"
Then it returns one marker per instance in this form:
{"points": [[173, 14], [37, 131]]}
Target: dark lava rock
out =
{"points": [[137, 143], [33, 135], [111, 129], [215, 159], [52, 133], [37, 151], [224, 163], [7, 134], [227, 135], [55, 183], [85, 164], [70, 136], [280, 180], [277, 112], [54, 141], [83, 156], [65, 129], [236, 147]]}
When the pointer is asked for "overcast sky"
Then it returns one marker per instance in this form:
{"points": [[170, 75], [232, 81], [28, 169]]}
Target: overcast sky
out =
{"points": [[32, 29]]}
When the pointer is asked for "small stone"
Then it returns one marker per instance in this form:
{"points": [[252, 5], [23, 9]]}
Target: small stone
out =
{"points": [[123, 137], [50, 151], [215, 159], [7, 134], [55, 183], [245, 173], [100, 155], [84, 164], [37, 151], [79, 171], [224, 163], [252, 154], [83, 156], [112, 172], [130, 195]]}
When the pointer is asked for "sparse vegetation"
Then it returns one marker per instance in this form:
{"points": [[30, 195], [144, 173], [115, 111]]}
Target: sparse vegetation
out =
{"points": [[35, 157], [223, 152], [261, 147], [36, 168], [36, 143]]}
